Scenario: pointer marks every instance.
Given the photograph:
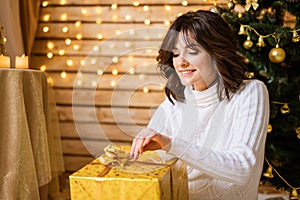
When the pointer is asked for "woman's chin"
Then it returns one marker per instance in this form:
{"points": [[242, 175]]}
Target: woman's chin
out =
{"points": [[185, 82]]}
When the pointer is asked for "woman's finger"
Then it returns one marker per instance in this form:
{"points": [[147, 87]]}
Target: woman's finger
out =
{"points": [[137, 147]]}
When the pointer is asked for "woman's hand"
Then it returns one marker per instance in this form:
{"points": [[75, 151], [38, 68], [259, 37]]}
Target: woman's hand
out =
{"points": [[148, 139]]}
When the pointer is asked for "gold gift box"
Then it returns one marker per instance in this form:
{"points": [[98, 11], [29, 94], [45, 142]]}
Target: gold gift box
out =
{"points": [[136, 180]]}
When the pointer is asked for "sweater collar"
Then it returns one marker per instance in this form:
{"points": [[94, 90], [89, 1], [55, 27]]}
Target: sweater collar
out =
{"points": [[203, 98]]}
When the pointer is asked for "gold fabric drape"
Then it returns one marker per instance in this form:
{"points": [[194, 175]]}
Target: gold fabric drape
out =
{"points": [[29, 15], [30, 145]]}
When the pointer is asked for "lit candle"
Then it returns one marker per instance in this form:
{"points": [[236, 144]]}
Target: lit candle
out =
{"points": [[4, 62], [21, 62]]}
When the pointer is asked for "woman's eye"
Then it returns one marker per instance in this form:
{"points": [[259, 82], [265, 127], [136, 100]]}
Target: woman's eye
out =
{"points": [[193, 52], [175, 54]]}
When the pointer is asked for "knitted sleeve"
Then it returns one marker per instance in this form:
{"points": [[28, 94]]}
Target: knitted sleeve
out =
{"points": [[160, 120], [244, 139]]}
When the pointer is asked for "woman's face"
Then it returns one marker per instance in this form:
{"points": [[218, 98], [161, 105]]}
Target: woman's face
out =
{"points": [[193, 64]]}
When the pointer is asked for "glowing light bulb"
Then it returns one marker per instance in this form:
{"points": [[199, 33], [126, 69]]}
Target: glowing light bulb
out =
{"points": [[99, 36], [50, 80], [127, 44], [93, 61], [132, 71], [46, 17], [131, 58], [136, 3], [147, 21], [145, 89], [84, 11], [115, 59], [114, 6], [96, 48], [43, 68], [113, 83], [61, 52], [78, 36], [118, 32], [63, 2], [65, 29], [68, 41], [99, 72], [146, 8], [149, 51], [99, 10], [76, 47], [94, 83], [63, 74], [69, 62], [45, 3], [127, 17], [167, 22], [64, 17], [78, 23], [49, 55], [115, 17], [46, 29], [98, 21], [184, 3], [114, 72], [50, 45], [168, 8], [132, 32], [141, 77], [83, 62]]}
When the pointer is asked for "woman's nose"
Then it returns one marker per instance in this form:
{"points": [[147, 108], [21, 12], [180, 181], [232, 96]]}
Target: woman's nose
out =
{"points": [[181, 61]]}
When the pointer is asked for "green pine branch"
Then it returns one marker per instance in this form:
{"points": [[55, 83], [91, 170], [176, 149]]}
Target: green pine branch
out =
{"points": [[282, 79]]}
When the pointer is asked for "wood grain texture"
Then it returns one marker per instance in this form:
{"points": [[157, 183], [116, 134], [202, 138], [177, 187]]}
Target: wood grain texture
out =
{"points": [[111, 86]]}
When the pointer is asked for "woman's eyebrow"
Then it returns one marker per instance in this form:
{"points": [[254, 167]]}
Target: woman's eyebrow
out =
{"points": [[193, 45]]}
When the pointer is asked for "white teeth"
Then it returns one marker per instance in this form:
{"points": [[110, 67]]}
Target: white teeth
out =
{"points": [[186, 72]]}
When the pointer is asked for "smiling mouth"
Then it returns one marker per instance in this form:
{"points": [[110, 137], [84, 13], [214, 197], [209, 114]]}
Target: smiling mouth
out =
{"points": [[187, 73]]}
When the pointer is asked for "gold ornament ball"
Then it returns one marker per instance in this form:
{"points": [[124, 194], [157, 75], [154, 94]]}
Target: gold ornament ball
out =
{"points": [[249, 74], [269, 128], [230, 5], [277, 55], [285, 109], [297, 130], [296, 39], [248, 44]]}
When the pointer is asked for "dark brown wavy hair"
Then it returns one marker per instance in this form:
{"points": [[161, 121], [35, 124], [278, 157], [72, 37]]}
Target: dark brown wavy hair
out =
{"points": [[215, 36]]}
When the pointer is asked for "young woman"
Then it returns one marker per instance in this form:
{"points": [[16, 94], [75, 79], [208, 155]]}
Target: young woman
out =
{"points": [[212, 119]]}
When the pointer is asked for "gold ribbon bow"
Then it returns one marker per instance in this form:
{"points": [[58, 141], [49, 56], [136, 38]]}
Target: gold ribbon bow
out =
{"points": [[118, 158], [114, 155], [252, 3]]}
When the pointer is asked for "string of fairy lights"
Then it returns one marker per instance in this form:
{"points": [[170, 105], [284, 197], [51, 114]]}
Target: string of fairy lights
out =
{"points": [[115, 17], [276, 55]]}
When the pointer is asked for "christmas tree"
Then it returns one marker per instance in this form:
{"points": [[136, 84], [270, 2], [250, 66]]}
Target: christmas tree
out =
{"points": [[2, 41], [268, 39]]}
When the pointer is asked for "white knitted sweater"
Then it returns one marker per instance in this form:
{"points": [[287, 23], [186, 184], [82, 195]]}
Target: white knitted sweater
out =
{"points": [[222, 142]]}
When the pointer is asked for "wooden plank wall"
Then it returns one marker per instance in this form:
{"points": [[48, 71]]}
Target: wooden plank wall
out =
{"points": [[101, 63]]}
